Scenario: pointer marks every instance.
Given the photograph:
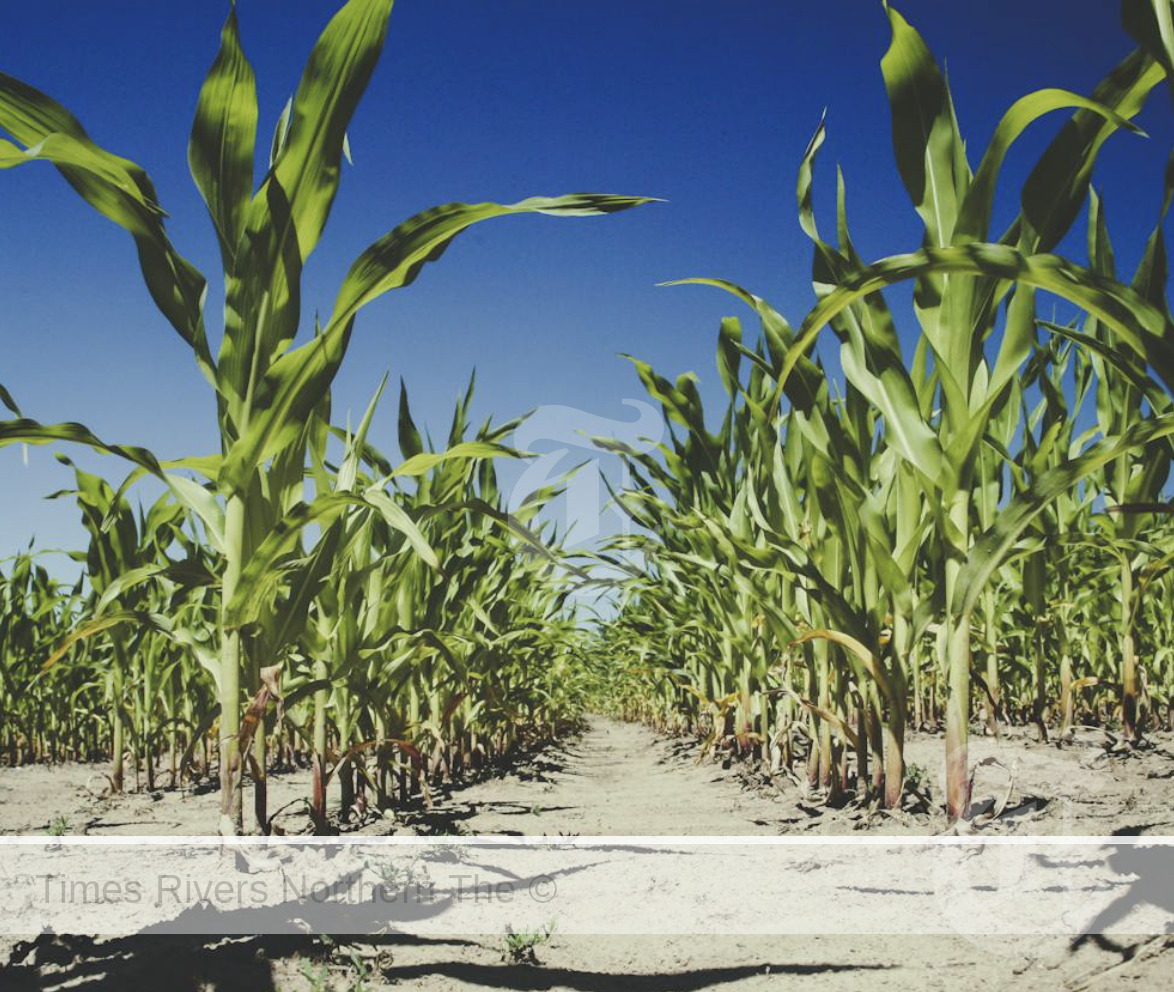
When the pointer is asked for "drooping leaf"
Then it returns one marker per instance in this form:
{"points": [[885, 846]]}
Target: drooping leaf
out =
{"points": [[115, 187]]}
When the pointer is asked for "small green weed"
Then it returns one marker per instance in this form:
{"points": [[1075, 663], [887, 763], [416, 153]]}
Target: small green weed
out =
{"points": [[519, 946]]}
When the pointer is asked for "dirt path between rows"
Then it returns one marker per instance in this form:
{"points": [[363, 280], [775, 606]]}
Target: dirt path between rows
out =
{"points": [[619, 779], [615, 779]]}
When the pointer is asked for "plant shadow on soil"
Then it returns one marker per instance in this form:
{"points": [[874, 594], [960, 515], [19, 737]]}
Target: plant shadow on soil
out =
{"points": [[257, 964]]}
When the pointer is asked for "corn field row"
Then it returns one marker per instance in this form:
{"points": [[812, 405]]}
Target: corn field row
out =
{"points": [[397, 674], [965, 521], [971, 522]]}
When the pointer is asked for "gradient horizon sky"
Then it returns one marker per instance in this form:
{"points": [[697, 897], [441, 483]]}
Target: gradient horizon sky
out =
{"points": [[708, 107]]}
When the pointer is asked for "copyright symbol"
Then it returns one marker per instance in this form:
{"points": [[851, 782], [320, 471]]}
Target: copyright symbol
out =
{"points": [[542, 888]]}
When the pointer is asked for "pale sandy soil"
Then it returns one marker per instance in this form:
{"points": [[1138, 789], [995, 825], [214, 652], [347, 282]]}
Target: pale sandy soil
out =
{"points": [[617, 779]]}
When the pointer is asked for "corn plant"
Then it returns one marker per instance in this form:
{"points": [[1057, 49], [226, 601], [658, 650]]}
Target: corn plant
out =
{"points": [[36, 612], [266, 385]]}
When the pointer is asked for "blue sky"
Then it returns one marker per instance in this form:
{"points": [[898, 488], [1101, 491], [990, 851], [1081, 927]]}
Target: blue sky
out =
{"points": [[709, 106]]}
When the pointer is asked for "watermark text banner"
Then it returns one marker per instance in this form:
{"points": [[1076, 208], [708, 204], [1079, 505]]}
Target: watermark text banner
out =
{"points": [[587, 886]]}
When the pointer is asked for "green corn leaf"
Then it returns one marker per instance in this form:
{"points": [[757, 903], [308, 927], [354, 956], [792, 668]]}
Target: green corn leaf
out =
{"points": [[115, 187], [926, 142], [729, 354], [280, 133], [224, 133], [336, 74], [25, 431], [261, 576], [425, 461], [348, 472], [974, 217], [410, 444], [396, 259], [1142, 327], [293, 610], [1151, 23], [202, 504], [262, 304], [779, 336], [1055, 190], [993, 546], [297, 381], [140, 618], [8, 401], [188, 574]]}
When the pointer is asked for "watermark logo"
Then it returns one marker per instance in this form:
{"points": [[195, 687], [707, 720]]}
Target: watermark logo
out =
{"points": [[582, 512]]}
